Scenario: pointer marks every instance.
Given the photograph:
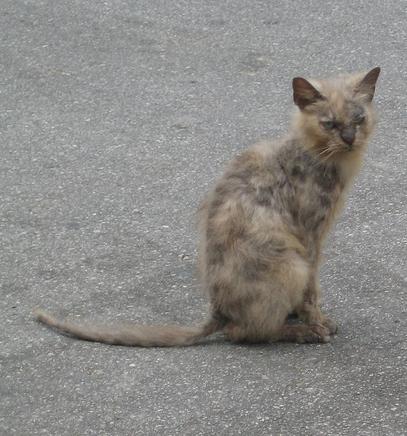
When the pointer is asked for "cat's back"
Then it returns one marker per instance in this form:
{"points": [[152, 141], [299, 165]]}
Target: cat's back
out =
{"points": [[247, 183], [236, 178], [253, 173], [255, 166]]}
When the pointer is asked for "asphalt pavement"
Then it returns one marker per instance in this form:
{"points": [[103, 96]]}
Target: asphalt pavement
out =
{"points": [[115, 118]]}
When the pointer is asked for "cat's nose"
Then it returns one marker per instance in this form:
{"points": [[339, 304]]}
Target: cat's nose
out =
{"points": [[348, 135]]}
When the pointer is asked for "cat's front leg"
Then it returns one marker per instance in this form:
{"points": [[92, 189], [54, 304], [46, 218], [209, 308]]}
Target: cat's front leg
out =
{"points": [[310, 311]]}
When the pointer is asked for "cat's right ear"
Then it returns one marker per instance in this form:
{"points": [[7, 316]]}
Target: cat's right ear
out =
{"points": [[366, 87], [304, 93]]}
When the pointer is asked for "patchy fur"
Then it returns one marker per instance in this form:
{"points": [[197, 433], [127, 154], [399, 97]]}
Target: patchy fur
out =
{"points": [[264, 223]]}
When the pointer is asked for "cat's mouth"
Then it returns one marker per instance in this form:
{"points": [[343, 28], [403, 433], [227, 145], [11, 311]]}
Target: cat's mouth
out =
{"points": [[335, 150], [357, 144], [347, 147]]}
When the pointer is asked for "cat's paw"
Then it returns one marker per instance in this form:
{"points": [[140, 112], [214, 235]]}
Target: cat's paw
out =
{"points": [[317, 334], [331, 325], [304, 333]]}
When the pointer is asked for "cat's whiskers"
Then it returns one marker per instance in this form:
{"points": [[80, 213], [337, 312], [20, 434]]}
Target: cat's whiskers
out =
{"points": [[328, 152], [325, 151], [326, 158]]}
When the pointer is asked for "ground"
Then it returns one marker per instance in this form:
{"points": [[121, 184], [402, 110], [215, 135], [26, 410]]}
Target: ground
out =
{"points": [[115, 119]]}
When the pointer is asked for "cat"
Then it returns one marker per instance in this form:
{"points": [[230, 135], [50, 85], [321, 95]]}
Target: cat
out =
{"points": [[263, 225]]}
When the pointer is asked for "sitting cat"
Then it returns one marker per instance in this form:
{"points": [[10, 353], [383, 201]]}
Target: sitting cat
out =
{"points": [[263, 225]]}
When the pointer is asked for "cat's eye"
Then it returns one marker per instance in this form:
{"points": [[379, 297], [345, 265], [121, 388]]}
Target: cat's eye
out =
{"points": [[328, 125], [360, 119]]}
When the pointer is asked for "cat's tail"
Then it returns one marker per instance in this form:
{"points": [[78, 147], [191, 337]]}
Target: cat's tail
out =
{"points": [[133, 335]]}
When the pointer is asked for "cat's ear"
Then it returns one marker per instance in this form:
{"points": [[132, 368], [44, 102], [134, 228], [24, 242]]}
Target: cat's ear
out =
{"points": [[366, 87], [304, 93]]}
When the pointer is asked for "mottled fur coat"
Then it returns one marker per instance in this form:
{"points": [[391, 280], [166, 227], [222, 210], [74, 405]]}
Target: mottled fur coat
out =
{"points": [[264, 223]]}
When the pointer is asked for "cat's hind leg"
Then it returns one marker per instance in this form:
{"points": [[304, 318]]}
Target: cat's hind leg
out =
{"points": [[263, 318], [259, 321], [265, 321]]}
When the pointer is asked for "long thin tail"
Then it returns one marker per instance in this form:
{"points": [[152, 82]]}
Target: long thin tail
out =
{"points": [[133, 335]]}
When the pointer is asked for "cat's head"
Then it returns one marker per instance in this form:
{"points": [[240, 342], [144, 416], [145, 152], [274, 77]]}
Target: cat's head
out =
{"points": [[336, 116]]}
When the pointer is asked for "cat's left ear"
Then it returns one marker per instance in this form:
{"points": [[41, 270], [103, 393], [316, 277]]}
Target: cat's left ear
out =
{"points": [[366, 87]]}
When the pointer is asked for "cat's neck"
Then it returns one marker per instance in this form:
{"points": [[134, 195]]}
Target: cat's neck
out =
{"points": [[347, 164]]}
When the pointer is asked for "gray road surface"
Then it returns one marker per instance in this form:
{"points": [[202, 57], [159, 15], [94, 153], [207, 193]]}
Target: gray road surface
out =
{"points": [[116, 116]]}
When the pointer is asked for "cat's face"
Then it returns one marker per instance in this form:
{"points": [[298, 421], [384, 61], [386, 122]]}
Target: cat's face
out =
{"points": [[336, 115]]}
